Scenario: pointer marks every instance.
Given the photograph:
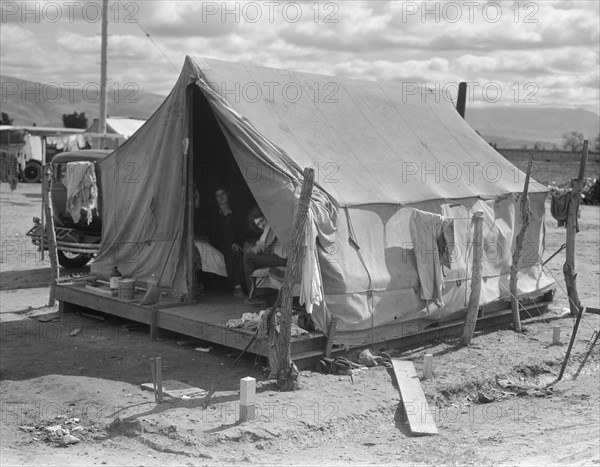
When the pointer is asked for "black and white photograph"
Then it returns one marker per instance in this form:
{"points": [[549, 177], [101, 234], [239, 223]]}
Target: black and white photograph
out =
{"points": [[304, 233]]}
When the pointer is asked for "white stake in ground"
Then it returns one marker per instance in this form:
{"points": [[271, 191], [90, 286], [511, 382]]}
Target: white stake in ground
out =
{"points": [[247, 398]]}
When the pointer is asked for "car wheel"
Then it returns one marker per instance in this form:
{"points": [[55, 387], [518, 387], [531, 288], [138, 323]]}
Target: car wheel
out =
{"points": [[32, 172], [70, 260]]}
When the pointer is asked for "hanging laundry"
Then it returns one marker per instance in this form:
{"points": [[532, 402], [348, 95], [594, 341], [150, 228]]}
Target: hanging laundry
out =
{"points": [[10, 169], [82, 191], [432, 236], [311, 288], [559, 206]]}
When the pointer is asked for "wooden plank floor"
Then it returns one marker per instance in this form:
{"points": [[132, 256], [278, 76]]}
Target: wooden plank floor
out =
{"points": [[207, 320], [204, 320]]}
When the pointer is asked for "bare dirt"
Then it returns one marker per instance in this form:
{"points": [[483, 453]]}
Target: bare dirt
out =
{"points": [[483, 414]]}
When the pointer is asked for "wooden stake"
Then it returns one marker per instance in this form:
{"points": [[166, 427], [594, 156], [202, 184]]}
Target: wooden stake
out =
{"points": [[47, 199], [43, 217], [247, 398], [153, 371], [286, 371], [556, 335], [572, 211], [331, 330], [159, 382], [514, 268], [153, 322], [428, 366], [473, 306]]}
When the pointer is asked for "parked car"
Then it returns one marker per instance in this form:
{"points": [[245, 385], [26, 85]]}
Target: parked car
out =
{"points": [[77, 242]]}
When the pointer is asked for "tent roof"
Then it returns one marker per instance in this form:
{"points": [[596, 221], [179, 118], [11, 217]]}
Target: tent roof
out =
{"points": [[369, 142]]}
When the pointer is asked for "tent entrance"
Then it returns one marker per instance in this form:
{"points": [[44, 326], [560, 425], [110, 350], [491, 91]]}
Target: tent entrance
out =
{"points": [[214, 167]]}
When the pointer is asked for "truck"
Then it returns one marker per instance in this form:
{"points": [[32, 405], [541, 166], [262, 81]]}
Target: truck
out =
{"points": [[77, 242]]}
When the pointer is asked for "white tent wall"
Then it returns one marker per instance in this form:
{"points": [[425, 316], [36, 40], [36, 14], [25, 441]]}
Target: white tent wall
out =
{"points": [[383, 146], [392, 276]]}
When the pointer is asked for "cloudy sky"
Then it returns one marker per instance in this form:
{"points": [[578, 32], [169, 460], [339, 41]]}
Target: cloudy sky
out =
{"points": [[542, 53]]}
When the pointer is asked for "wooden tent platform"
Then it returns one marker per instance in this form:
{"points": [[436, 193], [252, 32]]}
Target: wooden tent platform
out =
{"points": [[207, 320]]}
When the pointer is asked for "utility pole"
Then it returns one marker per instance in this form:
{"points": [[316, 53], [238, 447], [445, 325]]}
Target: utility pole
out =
{"points": [[103, 74]]}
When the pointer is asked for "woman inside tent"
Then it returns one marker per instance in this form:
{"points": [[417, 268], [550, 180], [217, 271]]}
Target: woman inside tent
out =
{"points": [[227, 236]]}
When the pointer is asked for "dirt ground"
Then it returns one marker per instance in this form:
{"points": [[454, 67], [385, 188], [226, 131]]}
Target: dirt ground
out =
{"points": [[483, 414]]}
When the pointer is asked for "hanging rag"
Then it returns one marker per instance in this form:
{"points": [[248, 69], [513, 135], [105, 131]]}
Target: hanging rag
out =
{"points": [[10, 170], [559, 207], [311, 287], [82, 191], [432, 236]]}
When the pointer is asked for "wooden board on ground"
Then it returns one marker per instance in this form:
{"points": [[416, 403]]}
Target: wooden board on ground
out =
{"points": [[420, 418], [177, 390]]}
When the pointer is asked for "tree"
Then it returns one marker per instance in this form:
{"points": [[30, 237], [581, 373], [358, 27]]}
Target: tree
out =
{"points": [[6, 120], [597, 143], [75, 120], [573, 141]]}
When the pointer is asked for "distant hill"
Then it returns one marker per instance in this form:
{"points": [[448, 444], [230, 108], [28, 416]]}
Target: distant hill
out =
{"points": [[509, 127], [517, 126], [28, 102]]}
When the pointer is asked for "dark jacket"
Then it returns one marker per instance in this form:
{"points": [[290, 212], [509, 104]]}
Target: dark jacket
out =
{"points": [[227, 230]]}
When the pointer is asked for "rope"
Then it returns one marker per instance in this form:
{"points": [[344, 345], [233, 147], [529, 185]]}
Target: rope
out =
{"points": [[147, 34]]}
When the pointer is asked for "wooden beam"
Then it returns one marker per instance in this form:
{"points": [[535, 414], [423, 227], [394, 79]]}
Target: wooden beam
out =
{"points": [[571, 224], [473, 305], [514, 267], [419, 416], [286, 371]]}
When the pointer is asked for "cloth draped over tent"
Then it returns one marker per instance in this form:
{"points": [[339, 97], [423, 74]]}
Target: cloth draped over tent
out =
{"points": [[377, 152]]}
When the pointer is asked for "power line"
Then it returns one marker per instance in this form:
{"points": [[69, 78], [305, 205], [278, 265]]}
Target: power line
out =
{"points": [[157, 46], [147, 34]]}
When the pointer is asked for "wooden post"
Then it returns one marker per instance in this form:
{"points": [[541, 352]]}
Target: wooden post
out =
{"points": [[247, 398], [514, 268], [461, 99], [47, 199], [153, 371], [286, 371], [159, 382], [43, 217], [556, 335], [331, 330], [153, 321], [473, 306], [428, 366], [572, 211]]}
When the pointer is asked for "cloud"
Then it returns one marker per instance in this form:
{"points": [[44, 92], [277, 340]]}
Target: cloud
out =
{"points": [[552, 44]]}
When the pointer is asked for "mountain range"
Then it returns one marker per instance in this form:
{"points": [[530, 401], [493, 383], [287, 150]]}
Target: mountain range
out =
{"points": [[28, 102]]}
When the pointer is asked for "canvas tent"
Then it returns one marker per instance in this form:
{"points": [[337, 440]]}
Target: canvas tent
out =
{"points": [[379, 152]]}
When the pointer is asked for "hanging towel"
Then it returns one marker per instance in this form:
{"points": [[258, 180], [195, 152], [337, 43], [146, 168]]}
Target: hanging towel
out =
{"points": [[311, 288], [559, 206], [82, 191], [432, 236]]}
